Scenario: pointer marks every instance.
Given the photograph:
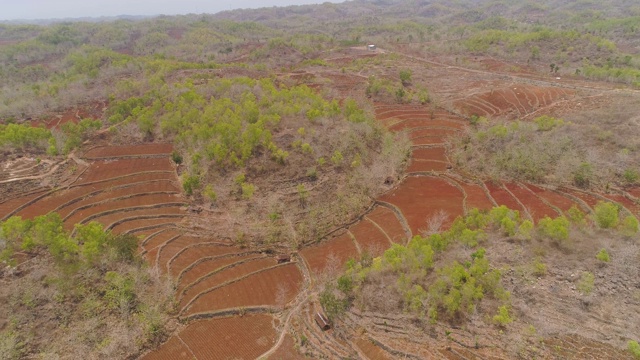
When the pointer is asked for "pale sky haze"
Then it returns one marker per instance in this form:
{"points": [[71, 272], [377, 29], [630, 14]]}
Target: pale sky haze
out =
{"points": [[52, 9]]}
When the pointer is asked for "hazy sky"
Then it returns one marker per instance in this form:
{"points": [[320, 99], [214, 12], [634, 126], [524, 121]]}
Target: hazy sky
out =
{"points": [[48, 9]]}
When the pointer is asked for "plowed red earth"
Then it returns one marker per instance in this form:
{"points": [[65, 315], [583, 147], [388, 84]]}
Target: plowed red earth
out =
{"points": [[514, 101], [502, 196], [330, 255], [420, 198], [105, 169], [112, 220], [259, 289], [554, 198], [56, 200], [121, 205], [370, 350], [536, 207], [370, 238], [216, 278], [131, 150], [134, 225], [476, 197], [160, 238], [245, 337], [181, 244], [428, 159], [9, 206], [389, 222], [190, 255], [209, 266]]}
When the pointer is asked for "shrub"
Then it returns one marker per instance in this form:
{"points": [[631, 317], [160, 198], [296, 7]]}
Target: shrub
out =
{"points": [[631, 176], [629, 226], [606, 215], [539, 268], [555, 229], [582, 176], [634, 348], [190, 184], [503, 318], [176, 157], [586, 283], [603, 255], [405, 76], [210, 193]]}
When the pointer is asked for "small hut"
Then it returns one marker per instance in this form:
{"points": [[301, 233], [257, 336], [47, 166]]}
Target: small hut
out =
{"points": [[284, 258], [371, 47], [322, 321]]}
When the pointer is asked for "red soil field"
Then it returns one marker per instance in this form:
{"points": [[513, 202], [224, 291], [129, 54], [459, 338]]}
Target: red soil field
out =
{"points": [[287, 350], [236, 338], [555, 199], [519, 100], [432, 153], [213, 279], [11, 205], [418, 123], [418, 165], [173, 349], [370, 350], [635, 192], [131, 150], [426, 136], [330, 255], [160, 186], [536, 207], [277, 286], [208, 266], [190, 255], [146, 223], [122, 204], [389, 222], [476, 198], [502, 196], [101, 169], [370, 238], [178, 245], [160, 238], [421, 197], [62, 197], [590, 200], [110, 220]]}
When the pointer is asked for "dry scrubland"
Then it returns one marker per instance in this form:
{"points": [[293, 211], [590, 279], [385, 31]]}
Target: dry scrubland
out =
{"points": [[468, 190]]}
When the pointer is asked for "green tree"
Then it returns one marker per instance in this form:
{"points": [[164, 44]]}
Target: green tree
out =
{"points": [[606, 215]]}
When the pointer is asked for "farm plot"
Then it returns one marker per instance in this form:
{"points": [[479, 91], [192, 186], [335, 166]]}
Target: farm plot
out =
{"points": [[513, 101], [534, 205], [389, 223], [181, 245], [556, 199], [370, 350], [475, 195], [91, 211], [329, 256], [218, 274], [245, 337], [502, 196], [420, 198], [207, 266], [123, 191], [430, 136], [428, 159], [129, 151], [108, 169], [159, 237], [273, 287], [408, 124], [371, 239], [9, 207], [111, 220], [129, 226], [232, 338], [190, 255]]}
